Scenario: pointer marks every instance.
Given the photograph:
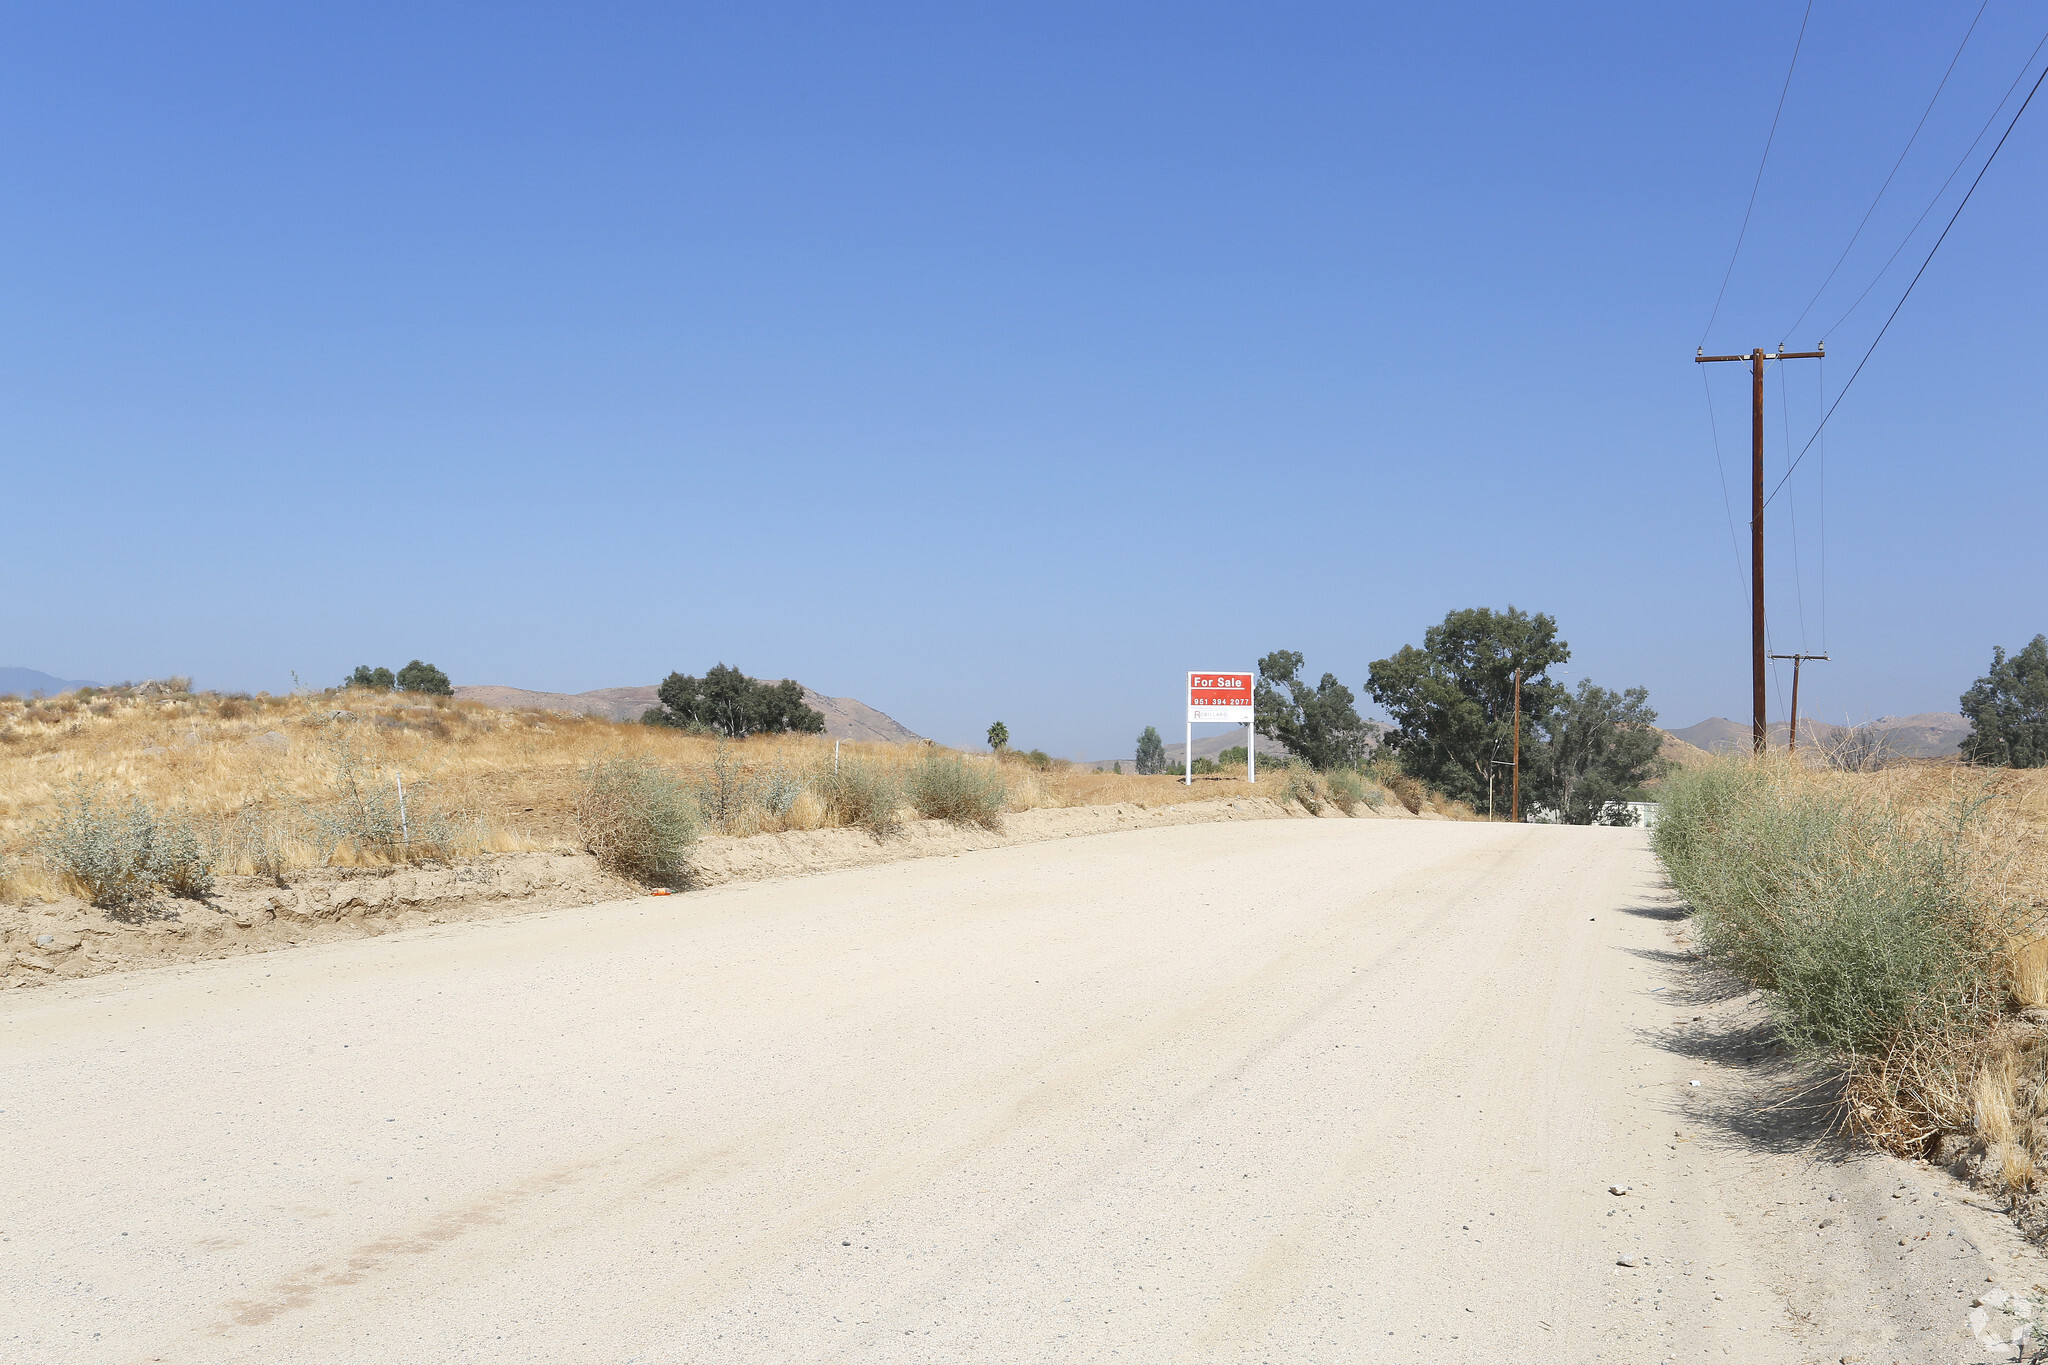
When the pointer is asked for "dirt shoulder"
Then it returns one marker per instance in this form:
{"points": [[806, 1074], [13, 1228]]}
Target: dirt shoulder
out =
{"points": [[66, 939]]}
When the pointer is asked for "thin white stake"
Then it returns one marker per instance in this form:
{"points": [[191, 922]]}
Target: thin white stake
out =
{"points": [[404, 830]]}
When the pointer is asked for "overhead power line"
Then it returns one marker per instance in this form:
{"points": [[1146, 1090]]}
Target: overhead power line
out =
{"points": [[1758, 182], [1935, 199], [1915, 280], [1865, 220]]}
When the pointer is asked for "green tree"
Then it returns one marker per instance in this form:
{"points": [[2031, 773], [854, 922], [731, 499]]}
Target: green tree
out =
{"points": [[1599, 747], [999, 736], [779, 708], [1151, 753], [1319, 724], [733, 704], [2008, 710], [423, 677], [366, 676], [1452, 700]]}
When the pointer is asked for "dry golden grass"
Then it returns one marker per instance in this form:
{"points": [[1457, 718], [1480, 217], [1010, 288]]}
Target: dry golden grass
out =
{"points": [[504, 781]]}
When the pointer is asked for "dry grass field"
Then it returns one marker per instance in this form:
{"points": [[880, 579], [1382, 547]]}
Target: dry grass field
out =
{"points": [[258, 777]]}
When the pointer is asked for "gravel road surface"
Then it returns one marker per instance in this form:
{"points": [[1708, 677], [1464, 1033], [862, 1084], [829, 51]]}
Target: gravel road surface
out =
{"points": [[1288, 1091]]}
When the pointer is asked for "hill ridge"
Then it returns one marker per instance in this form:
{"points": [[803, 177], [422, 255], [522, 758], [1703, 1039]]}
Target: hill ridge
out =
{"points": [[845, 717], [1925, 734]]}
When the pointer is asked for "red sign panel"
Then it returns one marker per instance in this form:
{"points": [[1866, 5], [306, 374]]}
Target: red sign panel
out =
{"points": [[1219, 689], [1220, 697]]}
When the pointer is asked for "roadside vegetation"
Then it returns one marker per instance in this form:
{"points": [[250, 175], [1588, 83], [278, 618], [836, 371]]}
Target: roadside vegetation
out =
{"points": [[1896, 923], [125, 795], [636, 819]]}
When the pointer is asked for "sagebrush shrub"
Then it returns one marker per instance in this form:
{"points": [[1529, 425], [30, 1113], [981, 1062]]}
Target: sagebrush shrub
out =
{"points": [[637, 819], [1302, 787], [1857, 928], [735, 801], [946, 787], [123, 853], [366, 812], [858, 796], [1346, 789]]}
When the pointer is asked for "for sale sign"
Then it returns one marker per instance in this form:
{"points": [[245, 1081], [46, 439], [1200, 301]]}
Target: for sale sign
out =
{"points": [[1225, 697]]}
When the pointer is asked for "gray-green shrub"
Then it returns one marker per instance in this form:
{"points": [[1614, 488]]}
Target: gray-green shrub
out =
{"points": [[1346, 788], [365, 810], [1860, 930], [636, 818], [733, 800], [945, 787], [1302, 788], [856, 795], [121, 853]]}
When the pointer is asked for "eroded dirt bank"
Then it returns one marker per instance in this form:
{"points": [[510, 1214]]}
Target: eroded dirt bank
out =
{"points": [[67, 939]]}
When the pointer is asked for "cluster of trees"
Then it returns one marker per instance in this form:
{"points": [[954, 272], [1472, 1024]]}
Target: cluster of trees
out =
{"points": [[2008, 710], [1319, 724], [414, 677], [1452, 701], [729, 702]]}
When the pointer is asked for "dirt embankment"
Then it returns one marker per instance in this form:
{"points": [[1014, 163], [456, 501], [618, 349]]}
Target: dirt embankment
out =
{"points": [[68, 938]]}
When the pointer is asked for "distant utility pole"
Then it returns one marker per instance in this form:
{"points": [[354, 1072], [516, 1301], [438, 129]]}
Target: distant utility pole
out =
{"points": [[1756, 361], [1792, 735], [1515, 807]]}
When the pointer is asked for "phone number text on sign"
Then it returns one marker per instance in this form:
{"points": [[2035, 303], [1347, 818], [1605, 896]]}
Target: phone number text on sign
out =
{"points": [[1220, 697]]}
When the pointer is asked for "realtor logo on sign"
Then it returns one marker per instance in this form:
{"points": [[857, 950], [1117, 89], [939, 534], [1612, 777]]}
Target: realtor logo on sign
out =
{"points": [[1224, 699], [1220, 697]]}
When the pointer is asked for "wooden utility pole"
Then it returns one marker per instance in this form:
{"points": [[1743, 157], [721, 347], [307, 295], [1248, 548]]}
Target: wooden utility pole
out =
{"points": [[1756, 359], [1792, 735], [1515, 807]]}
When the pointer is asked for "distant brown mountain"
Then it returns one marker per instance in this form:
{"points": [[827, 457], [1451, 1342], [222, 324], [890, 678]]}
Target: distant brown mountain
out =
{"points": [[1679, 753], [845, 718], [1931, 734]]}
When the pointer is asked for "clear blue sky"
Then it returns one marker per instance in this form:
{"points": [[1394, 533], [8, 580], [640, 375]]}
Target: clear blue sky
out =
{"points": [[991, 363]]}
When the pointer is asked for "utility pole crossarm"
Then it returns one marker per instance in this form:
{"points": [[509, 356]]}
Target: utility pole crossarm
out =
{"points": [[1778, 355], [1756, 359]]}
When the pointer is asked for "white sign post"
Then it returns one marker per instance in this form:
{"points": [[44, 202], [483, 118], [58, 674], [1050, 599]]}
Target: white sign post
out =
{"points": [[1224, 697]]}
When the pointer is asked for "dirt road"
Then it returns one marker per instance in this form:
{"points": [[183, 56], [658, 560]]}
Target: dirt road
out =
{"points": [[1288, 1091]]}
